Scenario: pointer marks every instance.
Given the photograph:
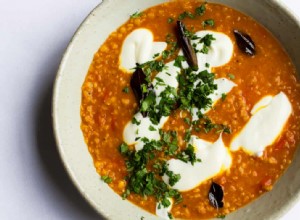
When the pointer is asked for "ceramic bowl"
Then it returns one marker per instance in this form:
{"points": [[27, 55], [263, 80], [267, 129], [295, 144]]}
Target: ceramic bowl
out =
{"points": [[104, 19]]}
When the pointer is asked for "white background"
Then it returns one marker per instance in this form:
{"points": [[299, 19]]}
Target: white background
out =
{"points": [[33, 37]]}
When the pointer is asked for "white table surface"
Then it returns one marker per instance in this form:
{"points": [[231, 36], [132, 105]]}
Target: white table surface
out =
{"points": [[33, 37]]}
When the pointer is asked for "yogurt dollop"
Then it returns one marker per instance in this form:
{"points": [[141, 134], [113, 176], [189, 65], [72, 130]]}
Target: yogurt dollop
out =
{"points": [[269, 117]]}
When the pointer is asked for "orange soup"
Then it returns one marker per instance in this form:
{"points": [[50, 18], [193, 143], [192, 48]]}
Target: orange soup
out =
{"points": [[191, 110]]}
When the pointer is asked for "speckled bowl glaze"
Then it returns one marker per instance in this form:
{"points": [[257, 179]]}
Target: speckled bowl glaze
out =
{"points": [[103, 20]]}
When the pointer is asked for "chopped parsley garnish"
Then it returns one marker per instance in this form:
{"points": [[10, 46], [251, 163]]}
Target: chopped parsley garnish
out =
{"points": [[200, 10], [186, 14], [221, 216], [135, 121], [188, 155], [187, 120], [126, 89], [231, 76], [123, 148], [170, 20], [151, 128], [106, 179], [223, 96], [208, 22], [206, 40], [136, 14]]}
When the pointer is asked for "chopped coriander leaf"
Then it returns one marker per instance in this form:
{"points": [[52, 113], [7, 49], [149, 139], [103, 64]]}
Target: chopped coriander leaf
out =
{"points": [[136, 14], [173, 178], [188, 155], [165, 54], [123, 148], [170, 215], [178, 61], [207, 39], [204, 49], [160, 81], [207, 65], [191, 95], [187, 135], [170, 20], [187, 120], [208, 125], [155, 55], [165, 202], [148, 102], [169, 140], [106, 179], [231, 76], [200, 10], [125, 194], [186, 14], [221, 216], [144, 182], [224, 96], [142, 218], [227, 130], [125, 90], [151, 128], [135, 121], [208, 22]]}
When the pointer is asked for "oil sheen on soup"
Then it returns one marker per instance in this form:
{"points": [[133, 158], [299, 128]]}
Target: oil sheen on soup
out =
{"points": [[190, 110]]}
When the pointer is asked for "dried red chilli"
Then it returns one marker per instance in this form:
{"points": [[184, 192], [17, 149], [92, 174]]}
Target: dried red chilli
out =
{"points": [[215, 195], [137, 81], [186, 46], [244, 42]]}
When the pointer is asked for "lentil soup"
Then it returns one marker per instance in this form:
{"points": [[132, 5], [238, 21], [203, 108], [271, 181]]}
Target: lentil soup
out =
{"points": [[258, 69]]}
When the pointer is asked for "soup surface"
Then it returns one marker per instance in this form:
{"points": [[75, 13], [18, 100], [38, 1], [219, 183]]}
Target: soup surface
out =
{"points": [[252, 124]]}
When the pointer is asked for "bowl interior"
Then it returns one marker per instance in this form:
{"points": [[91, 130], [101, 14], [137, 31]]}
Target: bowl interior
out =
{"points": [[103, 20]]}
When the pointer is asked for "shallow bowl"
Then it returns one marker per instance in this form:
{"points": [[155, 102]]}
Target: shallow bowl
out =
{"points": [[103, 20]]}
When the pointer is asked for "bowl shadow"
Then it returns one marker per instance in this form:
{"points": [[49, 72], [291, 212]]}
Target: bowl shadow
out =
{"points": [[51, 164]]}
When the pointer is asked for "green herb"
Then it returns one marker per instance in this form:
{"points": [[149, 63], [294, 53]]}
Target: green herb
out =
{"points": [[206, 40], [126, 89], [186, 14], [170, 215], [135, 121], [208, 22], [192, 94], [224, 96], [187, 120], [207, 65], [142, 218], [151, 67], [126, 194], [188, 155], [151, 128], [148, 102], [178, 61], [136, 14], [221, 216], [170, 20], [173, 178], [106, 179], [155, 55], [187, 135], [226, 130], [123, 148], [231, 76], [144, 182], [199, 11], [169, 139]]}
